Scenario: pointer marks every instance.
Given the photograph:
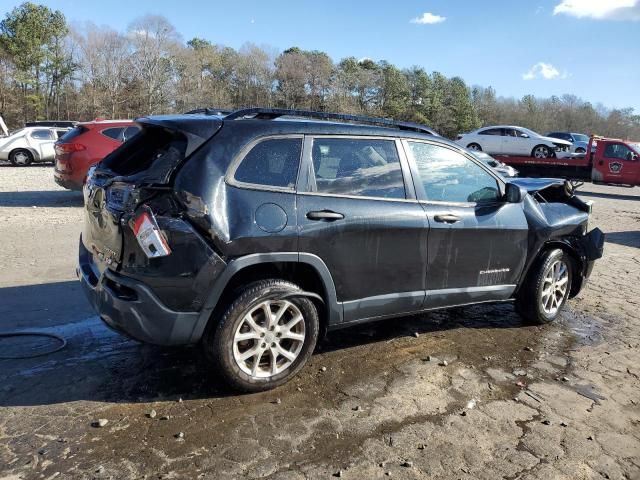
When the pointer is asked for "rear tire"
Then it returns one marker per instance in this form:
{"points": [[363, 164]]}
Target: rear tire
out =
{"points": [[474, 146], [21, 158], [254, 350], [546, 288]]}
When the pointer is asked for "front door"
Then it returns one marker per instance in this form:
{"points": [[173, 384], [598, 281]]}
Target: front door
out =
{"points": [[618, 163], [477, 242], [356, 212]]}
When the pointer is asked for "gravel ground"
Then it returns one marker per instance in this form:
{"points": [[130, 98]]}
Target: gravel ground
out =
{"points": [[513, 401]]}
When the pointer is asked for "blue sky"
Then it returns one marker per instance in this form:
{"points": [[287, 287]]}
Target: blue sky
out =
{"points": [[590, 48]]}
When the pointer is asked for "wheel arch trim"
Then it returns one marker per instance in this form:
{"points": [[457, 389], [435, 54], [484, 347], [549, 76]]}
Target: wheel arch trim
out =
{"points": [[33, 151], [334, 309], [563, 243]]}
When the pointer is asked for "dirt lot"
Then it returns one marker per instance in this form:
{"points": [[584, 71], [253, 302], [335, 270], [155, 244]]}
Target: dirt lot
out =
{"points": [[512, 401]]}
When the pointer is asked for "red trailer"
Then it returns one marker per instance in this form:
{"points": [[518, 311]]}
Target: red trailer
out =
{"points": [[608, 160]]}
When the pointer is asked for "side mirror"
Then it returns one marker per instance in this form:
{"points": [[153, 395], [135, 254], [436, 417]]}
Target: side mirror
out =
{"points": [[513, 193], [524, 135]]}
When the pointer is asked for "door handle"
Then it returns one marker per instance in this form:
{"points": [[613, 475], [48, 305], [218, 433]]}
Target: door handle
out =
{"points": [[327, 215], [446, 218]]}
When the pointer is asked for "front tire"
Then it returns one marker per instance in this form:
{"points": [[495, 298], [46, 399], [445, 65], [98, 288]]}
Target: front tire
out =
{"points": [[474, 146], [547, 287], [264, 337], [541, 151], [21, 158]]}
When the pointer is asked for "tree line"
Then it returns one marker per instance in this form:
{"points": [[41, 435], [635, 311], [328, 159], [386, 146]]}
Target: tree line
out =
{"points": [[50, 70]]}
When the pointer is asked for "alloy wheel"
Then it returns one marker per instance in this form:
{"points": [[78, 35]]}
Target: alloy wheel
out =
{"points": [[541, 152], [554, 287], [21, 158], [269, 338]]}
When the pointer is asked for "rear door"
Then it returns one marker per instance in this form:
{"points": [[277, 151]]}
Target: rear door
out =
{"points": [[477, 242], [491, 140], [43, 139], [357, 213]]}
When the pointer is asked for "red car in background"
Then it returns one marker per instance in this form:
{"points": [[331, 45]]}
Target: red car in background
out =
{"points": [[86, 145]]}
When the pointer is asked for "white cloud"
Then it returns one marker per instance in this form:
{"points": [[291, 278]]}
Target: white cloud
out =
{"points": [[600, 9], [545, 71], [428, 18]]}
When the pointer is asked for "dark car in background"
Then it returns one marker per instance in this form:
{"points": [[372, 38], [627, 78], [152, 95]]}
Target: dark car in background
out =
{"points": [[579, 141], [85, 145], [253, 233]]}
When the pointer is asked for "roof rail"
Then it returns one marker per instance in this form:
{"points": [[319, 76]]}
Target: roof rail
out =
{"points": [[272, 113], [209, 111]]}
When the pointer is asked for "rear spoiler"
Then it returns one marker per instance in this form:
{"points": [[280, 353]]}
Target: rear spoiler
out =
{"points": [[197, 128]]}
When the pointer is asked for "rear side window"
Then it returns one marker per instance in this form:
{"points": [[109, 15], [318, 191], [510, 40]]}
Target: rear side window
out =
{"points": [[42, 135], [273, 163], [491, 131], [360, 167], [115, 133], [73, 133], [449, 176]]}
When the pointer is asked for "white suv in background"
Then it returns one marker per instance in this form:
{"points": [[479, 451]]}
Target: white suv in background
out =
{"points": [[510, 140], [30, 144]]}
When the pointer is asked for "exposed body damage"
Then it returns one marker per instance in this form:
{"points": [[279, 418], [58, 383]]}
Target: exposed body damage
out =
{"points": [[351, 258]]}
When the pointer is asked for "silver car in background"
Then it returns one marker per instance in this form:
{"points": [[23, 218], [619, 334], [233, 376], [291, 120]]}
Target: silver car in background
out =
{"points": [[503, 169]]}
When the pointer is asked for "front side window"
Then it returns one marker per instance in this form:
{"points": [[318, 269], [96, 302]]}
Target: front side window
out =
{"points": [[41, 135], [273, 162], [358, 167], [619, 151], [449, 176]]}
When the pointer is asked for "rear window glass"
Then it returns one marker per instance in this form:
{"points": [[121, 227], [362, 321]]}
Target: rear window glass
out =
{"points": [[71, 134], [130, 132], [151, 146], [272, 162]]}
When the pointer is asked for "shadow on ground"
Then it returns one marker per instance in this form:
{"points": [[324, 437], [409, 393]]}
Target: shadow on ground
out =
{"points": [[51, 198], [628, 239], [100, 365], [611, 196]]}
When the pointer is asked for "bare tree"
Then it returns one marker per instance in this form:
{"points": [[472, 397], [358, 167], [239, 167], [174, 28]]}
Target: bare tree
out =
{"points": [[155, 42]]}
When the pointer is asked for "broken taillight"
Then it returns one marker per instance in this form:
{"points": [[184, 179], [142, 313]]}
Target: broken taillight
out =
{"points": [[150, 238]]}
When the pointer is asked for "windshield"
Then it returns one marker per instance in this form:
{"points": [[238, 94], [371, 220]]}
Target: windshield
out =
{"points": [[578, 137], [531, 133], [636, 147]]}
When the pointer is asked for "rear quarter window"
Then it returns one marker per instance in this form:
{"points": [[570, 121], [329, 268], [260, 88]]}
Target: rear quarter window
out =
{"points": [[272, 162], [115, 133]]}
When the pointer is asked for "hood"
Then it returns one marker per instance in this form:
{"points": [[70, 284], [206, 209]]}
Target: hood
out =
{"points": [[532, 185], [557, 141]]}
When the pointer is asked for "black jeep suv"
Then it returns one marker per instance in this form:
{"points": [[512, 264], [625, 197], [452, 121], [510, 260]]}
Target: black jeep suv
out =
{"points": [[255, 232]]}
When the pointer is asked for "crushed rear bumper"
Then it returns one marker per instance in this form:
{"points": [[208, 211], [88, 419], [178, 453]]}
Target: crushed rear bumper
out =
{"points": [[131, 308]]}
